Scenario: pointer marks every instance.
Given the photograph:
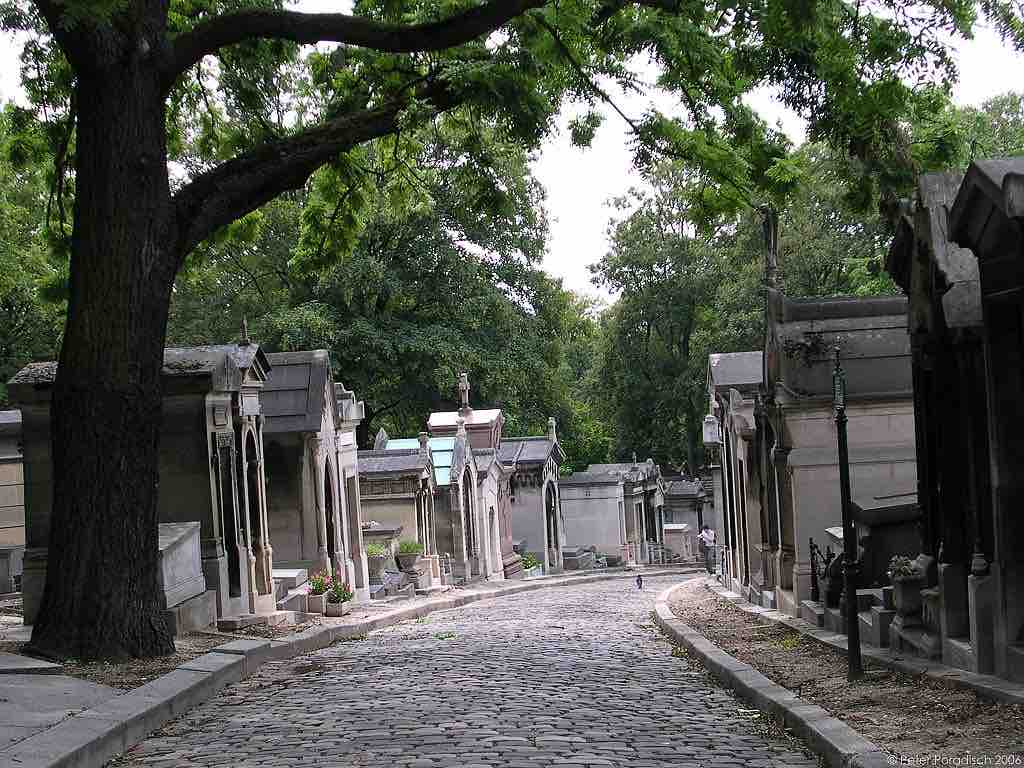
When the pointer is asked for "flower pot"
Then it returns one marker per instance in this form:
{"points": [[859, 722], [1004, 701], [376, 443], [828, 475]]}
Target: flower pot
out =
{"points": [[316, 603], [338, 609], [407, 562], [906, 594], [375, 568]]}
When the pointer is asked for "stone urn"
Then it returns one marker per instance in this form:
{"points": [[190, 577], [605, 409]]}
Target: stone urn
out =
{"points": [[375, 568], [338, 609], [408, 561], [316, 603], [906, 594]]}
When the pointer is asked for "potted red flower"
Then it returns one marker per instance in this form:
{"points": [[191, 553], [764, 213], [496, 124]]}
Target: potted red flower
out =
{"points": [[339, 598]]}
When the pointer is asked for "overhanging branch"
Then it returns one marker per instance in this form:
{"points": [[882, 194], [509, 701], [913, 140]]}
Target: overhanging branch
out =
{"points": [[209, 36], [241, 185]]}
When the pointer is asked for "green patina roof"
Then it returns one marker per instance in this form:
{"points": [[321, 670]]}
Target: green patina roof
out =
{"points": [[442, 450]]}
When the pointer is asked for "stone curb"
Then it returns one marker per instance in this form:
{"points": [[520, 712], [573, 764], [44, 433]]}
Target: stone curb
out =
{"points": [[832, 739], [91, 738], [986, 685]]}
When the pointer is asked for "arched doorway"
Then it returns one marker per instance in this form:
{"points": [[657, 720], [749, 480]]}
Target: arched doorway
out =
{"points": [[470, 524], [551, 525], [229, 517]]}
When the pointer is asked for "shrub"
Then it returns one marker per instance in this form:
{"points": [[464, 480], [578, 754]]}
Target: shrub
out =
{"points": [[375, 550], [319, 583], [339, 592], [530, 561], [410, 547]]}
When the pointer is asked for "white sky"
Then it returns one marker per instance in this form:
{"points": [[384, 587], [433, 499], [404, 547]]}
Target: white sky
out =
{"points": [[580, 182]]}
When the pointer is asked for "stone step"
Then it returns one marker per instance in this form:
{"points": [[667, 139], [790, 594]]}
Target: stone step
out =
{"points": [[272, 619], [874, 626], [291, 577], [196, 613], [430, 591], [812, 612], [294, 600]]}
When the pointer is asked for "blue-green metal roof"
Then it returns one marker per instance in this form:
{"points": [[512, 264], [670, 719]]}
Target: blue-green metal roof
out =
{"points": [[441, 451]]}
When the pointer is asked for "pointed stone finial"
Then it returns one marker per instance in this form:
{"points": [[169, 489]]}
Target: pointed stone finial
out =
{"points": [[552, 431], [634, 458], [464, 392], [424, 443], [381, 441], [460, 426], [245, 341]]}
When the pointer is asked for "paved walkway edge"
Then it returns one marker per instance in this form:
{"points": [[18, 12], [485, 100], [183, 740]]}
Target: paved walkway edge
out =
{"points": [[91, 738], [832, 739], [986, 685]]}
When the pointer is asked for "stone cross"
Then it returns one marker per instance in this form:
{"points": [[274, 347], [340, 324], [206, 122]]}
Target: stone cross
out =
{"points": [[245, 341], [464, 391]]}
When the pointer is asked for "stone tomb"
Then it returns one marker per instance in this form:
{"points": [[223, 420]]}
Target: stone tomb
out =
{"points": [[313, 505], [187, 603], [211, 469], [12, 501]]}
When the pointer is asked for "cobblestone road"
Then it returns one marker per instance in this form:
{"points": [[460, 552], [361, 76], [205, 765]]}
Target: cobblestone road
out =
{"points": [[567, 676]]}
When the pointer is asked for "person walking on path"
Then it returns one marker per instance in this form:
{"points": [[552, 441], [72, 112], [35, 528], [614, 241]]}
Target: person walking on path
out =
{"points": [[639, 581], [707, 542]]}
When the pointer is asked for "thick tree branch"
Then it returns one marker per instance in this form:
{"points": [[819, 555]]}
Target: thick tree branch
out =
{"points": [[211, 35], [244, 183]]}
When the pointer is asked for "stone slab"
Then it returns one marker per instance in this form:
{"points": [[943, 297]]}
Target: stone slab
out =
{"points": [[16, 664], [181, 569], [290, 577], [40, 701], [196, 613], [254, 652]]}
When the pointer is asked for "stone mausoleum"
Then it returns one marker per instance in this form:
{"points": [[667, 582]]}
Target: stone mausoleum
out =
{"points": [[12, 501], [312, 473], [211, 480]]}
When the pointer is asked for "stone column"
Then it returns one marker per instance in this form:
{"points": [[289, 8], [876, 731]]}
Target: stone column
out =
{"points": [[317, 450], [268, 548]]}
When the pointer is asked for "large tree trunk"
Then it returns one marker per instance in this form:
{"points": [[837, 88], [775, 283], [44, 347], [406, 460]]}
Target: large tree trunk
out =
{"points": [[102, 595]]}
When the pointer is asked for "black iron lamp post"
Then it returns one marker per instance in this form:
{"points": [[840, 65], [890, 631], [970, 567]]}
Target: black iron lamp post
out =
{"points": [[851, 568]]}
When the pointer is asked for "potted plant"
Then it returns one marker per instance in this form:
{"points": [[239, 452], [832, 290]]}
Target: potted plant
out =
{"points": [[907, 582], [316, 598], [409, 553], [531, 565], [376, 559], [339, 598]]}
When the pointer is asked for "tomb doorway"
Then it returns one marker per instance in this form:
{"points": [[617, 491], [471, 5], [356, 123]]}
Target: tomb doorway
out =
{"points": [[229, 518], [329, 507]]}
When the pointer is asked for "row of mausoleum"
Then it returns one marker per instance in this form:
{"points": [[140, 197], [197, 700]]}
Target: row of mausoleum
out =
{"points": [[936, 457], [262, 485]]}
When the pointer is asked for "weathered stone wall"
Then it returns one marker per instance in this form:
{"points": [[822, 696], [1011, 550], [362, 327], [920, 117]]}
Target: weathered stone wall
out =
{"points": [[594, 519], [528, 519]]}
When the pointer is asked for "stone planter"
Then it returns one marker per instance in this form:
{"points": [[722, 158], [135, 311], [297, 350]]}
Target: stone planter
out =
{"points": [[537, 570], [338, 609], [906, 593], [408, 562], [316, 603], [375, 568]]}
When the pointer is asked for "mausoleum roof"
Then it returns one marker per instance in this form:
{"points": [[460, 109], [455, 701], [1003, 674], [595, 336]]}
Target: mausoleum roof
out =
{"points": [[298, 392], [471, 418], [735, 369], [391, 462], [589, 478], [179, 362], [683, 488], [442, 453], [989, 186], [528, 450], [926, 230], [871, 333]]}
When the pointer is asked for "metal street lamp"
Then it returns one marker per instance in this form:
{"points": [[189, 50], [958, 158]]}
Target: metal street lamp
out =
{"points": [[851, 568]]}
